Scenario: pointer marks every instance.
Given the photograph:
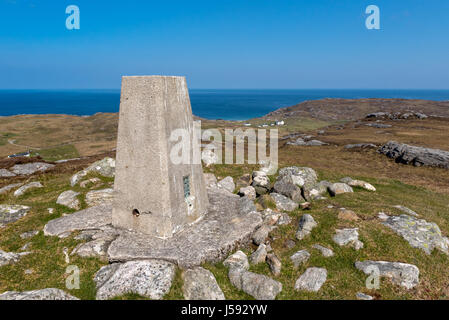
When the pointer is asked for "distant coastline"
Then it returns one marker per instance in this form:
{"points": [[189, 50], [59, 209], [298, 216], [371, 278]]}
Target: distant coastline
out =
{"points": [[226, 104]]}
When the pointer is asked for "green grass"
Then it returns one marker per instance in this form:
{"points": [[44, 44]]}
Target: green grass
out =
{"points": [[4, 137], [67, 151]]}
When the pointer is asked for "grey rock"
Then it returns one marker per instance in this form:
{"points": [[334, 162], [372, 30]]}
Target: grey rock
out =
{"points": [[284, 185], [259, 255], [9, 187], [361, 146], [200, 284], [246, 206], [99, 197], [306, 224], [86, 235], [403, 274], [284, 219], [261, 182], [289, 244], [4, 173], [339, 188], [326, 252], [87, 219], [12, 212], [379, 125], [43, 294], [149, 278], [358, 183], [104, 167], [29, 234], [348, 236], [248, 192], [30, 168], [27, 187], [419, 233], [210, 179], [406, 210], [237, 260], [10, 257], [317, 190], [274, 263], [93, 249], [302, 142], [311, 280], [69, 199], [256, 285], [91, 181], [261, 234], [209, 157], [362, 296], [417, 156], [227, 184], [283, 203], [300, 257], [268, 166], [301, 176]]}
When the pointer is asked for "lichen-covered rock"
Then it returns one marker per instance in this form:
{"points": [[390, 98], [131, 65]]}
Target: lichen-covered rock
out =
{"points": [[326, 252], [418, 233], [69, 199], [249, 192], [237, 260], [261, 182], [256, 285], [43, 294], [358, 183], [259, 255], [227, 184], [10, 257], [339, 188], [29, 234], [406, 210], [31, 167], [246, 206], [148, 278], [98, 197], [274, 263], [21, 191], [11, 213], [348, 236], [311, 280], [104, 167], [200, 284], [300, 257], [306, 224], [209, 157], [283, 203], [403, 274], [301, 176], [261, 234], [317, 191]]}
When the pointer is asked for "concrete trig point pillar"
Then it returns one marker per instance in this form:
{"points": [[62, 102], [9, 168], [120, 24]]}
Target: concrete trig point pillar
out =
{"points": [[152, 195]]}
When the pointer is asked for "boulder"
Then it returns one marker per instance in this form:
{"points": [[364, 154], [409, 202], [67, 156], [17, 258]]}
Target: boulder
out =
{"points": [[274, 263], [249, 192], [317, 191], [403, 274], [227, 184], [348, 236], [417, 156], [300, 257], [69, 199], [300, 176], [259, 255], [256, 285], [361, 146], [43, 294], [200, 284], [283, 203], [31, 167], [98, 197], [306, 224], [148, 278], [21, 191], [311, 280], [326, 252], [104, 167], [284, 185], [12, 212], [246, 206], [339, 188], [237, 260], [261, 182]]}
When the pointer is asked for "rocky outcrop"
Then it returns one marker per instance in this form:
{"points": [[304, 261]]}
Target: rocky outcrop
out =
{"points": [[43, 294], [69, 199], [200, 284], [31, 167], [32, 185], [9, 187], [105, 167], [339, 188], [4, 173], [417, 156], [227, 184], [249, 192], [11, 213], [404, 115], [403, 274], [99, 197]]}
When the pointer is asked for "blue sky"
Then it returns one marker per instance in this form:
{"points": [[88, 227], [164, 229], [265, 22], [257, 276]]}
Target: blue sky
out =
{"points": [[226, 43]]}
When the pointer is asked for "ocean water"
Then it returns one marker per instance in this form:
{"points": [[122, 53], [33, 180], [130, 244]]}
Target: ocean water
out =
{"points": [[209, 104]]}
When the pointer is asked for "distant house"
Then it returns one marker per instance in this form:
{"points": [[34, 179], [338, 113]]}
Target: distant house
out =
{"points": [[21, 154], [280, 123]]}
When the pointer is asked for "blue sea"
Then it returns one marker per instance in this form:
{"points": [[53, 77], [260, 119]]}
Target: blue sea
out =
{"points": [[209, 104]]}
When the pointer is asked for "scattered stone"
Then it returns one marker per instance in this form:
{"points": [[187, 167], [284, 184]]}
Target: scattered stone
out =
{"points": [[284, 185], [302, 142], [29, 271], [311, 280], [317, 191], [406, 210], [30, 168], [237, 260], [348, 215], [270, 217], [301, 176], [283, 203], [256, 285], [379, 125], [261, 234], [350, 237], [326, 252], [249, 192], [383, 216], [92, 181], [339, 188], [417, 156], [419, 233], [259, 255], [105, 167], [403, 274], [10, 257], [43, 294], [99, 197], [361, 146], [200, 284], [362, 296], [261, 182], [9, 187], [12, 212], [267, 166], [397, 115], [358, 183], [227, 184], [289, 244], [306, 224], [69, 199], [51, 210], [209, 157], [300, 257], [148, 278], [274, 263], [4, 173], [284, 219], [27, 187], [29, 234], [26, 246]]}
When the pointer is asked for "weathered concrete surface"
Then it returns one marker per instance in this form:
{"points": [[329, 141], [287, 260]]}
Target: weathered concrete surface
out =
{"points": [[150, 279], [417, 156], [11, 213], [89, 219], [222, 230], [151, 109], [200, 284], [403, 274], [43, 294]]}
